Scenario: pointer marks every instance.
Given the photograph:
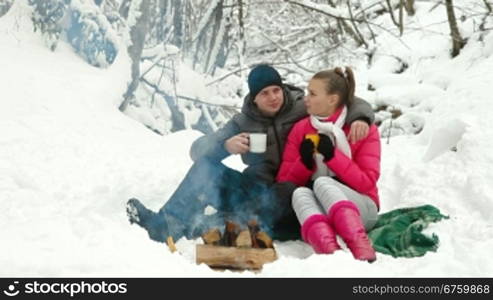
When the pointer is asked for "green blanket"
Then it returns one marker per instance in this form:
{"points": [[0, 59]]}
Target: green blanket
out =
{"points": [[397, 232]]}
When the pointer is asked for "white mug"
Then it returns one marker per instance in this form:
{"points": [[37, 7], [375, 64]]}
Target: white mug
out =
{"points": [[258, 142]]}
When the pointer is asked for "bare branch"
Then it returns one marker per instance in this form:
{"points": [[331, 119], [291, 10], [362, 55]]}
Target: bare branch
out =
{"points": [[361, 38], [320, 10], [391, 12], [373, 36], [288, 53], [488, 6]]}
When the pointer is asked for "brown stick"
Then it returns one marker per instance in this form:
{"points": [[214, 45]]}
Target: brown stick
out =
{"points": [[171, 244]]}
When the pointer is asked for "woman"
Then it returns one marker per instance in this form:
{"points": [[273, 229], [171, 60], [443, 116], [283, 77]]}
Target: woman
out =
{"points": [[344, 198]]}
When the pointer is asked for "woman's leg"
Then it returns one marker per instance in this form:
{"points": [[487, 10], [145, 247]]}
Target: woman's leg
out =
{"points": [[330, 191], [350, 214], [315, 229]]}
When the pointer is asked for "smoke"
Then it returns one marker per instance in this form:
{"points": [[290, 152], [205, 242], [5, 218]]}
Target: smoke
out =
{"points": [[230, 195]]}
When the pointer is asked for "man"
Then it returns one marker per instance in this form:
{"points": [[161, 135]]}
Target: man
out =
{"points": [[212, 192]]}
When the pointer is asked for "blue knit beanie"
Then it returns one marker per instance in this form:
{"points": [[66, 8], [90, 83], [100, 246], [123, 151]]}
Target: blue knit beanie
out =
{"points": [[262, 76]]}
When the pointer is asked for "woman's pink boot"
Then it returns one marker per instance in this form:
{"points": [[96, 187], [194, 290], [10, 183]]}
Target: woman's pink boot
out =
{"points": [[346, 220], [317, 232]]}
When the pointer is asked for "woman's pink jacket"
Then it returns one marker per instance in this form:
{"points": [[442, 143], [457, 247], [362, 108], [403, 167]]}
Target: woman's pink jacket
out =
{"points": [[359, 173]]}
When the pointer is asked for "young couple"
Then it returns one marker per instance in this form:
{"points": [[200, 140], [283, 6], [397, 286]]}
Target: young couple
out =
{"points": [[319, 170]]}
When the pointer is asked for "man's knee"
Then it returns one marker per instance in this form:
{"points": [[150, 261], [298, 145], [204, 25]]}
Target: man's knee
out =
{"points": [[207, 164]]}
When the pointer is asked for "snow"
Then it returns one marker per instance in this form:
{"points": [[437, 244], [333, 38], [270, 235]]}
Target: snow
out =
{"points": [[69, 160]]}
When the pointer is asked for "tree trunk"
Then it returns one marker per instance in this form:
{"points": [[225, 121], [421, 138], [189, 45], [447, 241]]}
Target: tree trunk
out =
{"points": [[161, 29], [138, 35], [241, 40], [457, 40], [201, 42], [241, 23], [223, 54], [218, 19], [401, 17], [409, 5], [178, 16], [123, 10]]}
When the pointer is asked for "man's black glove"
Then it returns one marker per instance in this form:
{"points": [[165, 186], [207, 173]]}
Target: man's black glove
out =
{"points": [[326, 147], [307, 148]]}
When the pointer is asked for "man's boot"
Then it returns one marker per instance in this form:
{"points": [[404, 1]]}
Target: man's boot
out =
{"points": [[155, 224]]}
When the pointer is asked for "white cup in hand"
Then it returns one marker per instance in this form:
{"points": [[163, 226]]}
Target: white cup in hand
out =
{"points": [[258, 142]]}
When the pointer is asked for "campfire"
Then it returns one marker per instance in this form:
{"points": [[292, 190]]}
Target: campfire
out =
{"points": [[236, 248]]}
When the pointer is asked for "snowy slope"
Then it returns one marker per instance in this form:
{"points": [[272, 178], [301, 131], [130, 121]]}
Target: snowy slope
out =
{"points": [[69, 160]]}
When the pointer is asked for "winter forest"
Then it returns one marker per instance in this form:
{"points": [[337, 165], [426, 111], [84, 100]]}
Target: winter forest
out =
{"points": [[101, 100]]}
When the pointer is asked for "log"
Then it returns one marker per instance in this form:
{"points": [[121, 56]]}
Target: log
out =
{"points": [[234, 258], [254, 228], [231, 232], [264, 240], [259, 238], [244, 239], [212, 237]]}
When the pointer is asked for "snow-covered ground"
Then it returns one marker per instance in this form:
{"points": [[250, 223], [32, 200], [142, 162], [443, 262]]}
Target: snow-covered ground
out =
{"points": [[69, 160]]}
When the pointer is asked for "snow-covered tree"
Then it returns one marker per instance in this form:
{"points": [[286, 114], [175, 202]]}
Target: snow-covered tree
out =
{"points": [[5, 6], [82, 23], [91, 34], [47, 18], [212, 44]]}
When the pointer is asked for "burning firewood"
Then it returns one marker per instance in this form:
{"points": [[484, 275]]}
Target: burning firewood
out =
{"points": [[264, 240], [231, 232], [260, 239], [254, 228], [244, 240], [234, 258], [236, 249], [212, 237]]}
